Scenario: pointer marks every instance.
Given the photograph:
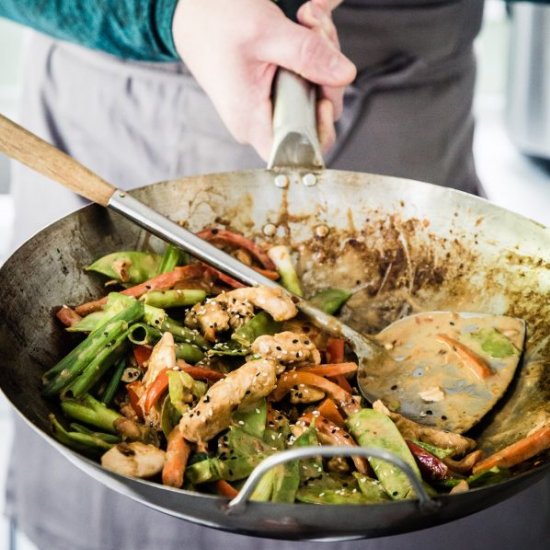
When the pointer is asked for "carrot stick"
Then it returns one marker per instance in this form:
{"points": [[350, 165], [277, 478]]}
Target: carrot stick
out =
{"points": [[330, 411], [335, 350], [294, 378], [519, 451], [342, 381], [68, 316], [156, 390], [236, 239], [330, 369], [233, 283], [177, 454], [141, 354], [163, 281], [480, 368], [201, 373], [225, 489]]}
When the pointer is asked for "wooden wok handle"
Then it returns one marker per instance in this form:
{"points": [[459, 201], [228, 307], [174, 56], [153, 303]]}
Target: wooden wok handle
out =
{"points": [[32, 151]]}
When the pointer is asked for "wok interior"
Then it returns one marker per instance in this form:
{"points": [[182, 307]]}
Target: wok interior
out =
{"points": [[403, 246]]}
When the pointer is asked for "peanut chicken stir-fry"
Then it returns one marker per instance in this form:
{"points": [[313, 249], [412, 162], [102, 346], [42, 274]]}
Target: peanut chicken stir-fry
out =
{"points": [[189, 379]]}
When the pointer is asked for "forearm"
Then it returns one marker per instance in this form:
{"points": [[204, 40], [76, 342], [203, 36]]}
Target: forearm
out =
{"points": [[130, 29]]}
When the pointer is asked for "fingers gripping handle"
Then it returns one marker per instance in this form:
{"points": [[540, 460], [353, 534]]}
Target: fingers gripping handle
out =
{"points": [[295, 140], [23, 146]]}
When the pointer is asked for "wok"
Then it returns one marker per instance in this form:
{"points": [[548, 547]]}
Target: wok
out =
{"points": [[402, 245]]}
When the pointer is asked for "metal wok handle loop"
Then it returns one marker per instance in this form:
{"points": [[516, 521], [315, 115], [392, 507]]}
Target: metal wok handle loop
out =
{"points": [[238, 504]]}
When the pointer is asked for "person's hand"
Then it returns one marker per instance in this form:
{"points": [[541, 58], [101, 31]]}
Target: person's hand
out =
{"points": [[233, 50]]}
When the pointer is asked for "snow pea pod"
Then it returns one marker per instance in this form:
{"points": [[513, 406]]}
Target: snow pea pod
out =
{"points": [[87, 443], [372, 428], [128, 266], [330, 300]]}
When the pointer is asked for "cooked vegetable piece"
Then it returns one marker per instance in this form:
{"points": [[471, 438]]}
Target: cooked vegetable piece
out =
{"points": [[158, 318], [64, 372], [494, 343], [242, 443], [169, 416], [108, 438], [477, 364], [264, 488], [459, 444], [111, 388], [371, 488], [127, 267], [155, 391], [431, 466], [493, 475], [374, 429], [252, 419], [286, 482], [331, 300], [294, 378], [238, 240], [280, 256], [330, 411], [225, 489], [172, 257], [88, 443], [173, 298], [332, 488], [213, 469], [260, 324], [177, 455], [160, 282], [111, 354], [330, 369], [439, 452], [310, 467], [67, 316], [231, 349], [521, 450], [92, 412], [201, 373], [183, 389], [188, 352], [142, 334]]}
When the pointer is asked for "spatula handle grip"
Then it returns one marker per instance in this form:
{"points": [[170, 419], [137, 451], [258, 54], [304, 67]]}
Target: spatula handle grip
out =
{"points": [[32, 151]]}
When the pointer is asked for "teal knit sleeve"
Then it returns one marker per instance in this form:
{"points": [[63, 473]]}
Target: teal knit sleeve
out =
{"points": [[130, 29]]}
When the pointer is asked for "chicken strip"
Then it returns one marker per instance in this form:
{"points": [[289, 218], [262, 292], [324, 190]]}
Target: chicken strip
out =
{"points": [[247, 384], [273, 300], [288, 348], [234, 308]]}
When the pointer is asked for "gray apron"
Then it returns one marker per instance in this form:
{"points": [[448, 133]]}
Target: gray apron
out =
{"points": [[408, 115]]}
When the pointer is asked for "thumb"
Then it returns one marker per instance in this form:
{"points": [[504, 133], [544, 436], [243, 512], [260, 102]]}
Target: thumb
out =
{"points": [[307, 53]]}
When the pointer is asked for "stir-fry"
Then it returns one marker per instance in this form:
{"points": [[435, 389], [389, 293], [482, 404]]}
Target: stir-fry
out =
{"points": [[189, 378]]}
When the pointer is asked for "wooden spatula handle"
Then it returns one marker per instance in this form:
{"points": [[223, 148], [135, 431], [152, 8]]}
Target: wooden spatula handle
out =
{"points": [[34, 152]]}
